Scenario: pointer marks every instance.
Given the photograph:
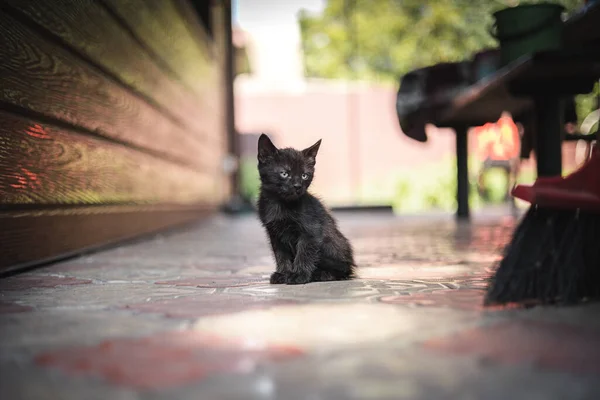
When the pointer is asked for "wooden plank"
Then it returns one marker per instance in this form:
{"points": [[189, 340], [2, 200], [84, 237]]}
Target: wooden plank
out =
{"points": [[554, 73], [88, 28], [485, 100], [38, 75], [28, 238], [157, 23], [548, 72], [42, 164], [204, 34]]}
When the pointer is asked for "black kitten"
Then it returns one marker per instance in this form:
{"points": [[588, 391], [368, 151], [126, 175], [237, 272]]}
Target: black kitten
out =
{"points": [[305, 239]]}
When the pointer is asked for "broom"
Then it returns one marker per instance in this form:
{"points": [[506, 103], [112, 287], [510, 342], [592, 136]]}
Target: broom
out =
{"points": [[554, 255]]}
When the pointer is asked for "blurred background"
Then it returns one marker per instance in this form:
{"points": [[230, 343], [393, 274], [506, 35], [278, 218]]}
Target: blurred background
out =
{"points": [[124, 117], [330, 69]]}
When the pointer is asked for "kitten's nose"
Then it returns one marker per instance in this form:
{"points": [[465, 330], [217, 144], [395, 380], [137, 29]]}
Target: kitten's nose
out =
{"points": [[297, 186]]}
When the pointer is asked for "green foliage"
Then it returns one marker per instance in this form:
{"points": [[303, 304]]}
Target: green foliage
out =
{"points": [[249, 179], [495, 184], [384, 39], [587, 103], [432, 187], [381, 40]]}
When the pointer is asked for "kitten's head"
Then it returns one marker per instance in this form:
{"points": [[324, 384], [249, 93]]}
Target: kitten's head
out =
{"points": [[286, 173]]}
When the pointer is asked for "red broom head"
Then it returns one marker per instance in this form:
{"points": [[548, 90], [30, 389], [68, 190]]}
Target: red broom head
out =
{"points": [[579, 190]]}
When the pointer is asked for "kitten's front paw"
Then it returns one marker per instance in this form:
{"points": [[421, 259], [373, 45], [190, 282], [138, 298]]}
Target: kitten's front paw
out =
{"points": [[277, 278], [297, 278]]}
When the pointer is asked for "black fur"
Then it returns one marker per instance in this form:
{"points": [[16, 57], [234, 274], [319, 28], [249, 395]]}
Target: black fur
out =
{"points": [[305, 239]]}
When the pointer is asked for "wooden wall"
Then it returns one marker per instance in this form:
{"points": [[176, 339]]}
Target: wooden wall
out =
{"points": [[112, 121]]}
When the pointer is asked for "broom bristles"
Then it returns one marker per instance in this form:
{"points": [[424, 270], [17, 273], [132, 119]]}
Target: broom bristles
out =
{"points": [[553, 257]]}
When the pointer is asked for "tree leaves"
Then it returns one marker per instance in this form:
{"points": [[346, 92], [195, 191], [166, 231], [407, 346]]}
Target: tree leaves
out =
{"points": [[384, 39]]}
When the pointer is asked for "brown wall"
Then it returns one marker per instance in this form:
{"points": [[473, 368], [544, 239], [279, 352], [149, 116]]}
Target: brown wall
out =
{"points": [[112, 121]]}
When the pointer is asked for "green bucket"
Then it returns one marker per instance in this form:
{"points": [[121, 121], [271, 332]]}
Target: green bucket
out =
{"points": [[528, 28]]}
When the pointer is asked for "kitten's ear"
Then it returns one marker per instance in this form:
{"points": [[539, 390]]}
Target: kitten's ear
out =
{"points": [[311, 152], [266, 148]]}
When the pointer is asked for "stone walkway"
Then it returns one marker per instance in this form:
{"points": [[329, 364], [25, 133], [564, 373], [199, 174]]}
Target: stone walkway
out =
{"points": [[190, 315]]}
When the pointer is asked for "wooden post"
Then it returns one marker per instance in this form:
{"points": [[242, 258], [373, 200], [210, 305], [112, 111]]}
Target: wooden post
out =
{"points": [[232, 136], [548, 135], [462, 173]]}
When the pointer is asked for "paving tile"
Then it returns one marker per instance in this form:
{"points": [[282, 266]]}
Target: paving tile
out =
{"points": [[547, 345], [265, 269], [405, 270], [222, 281], [26, 282], [200, 306], [165, 360], [28, 382], [466, 299], [579, 316], [318, 291], [381, 372], [23, 334], [363, 289], [190, 315], [99, 296], [11, 308], [128, 271], [326, 326]]}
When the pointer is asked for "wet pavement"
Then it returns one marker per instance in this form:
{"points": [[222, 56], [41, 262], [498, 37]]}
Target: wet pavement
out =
{"points": [[191, 315]]}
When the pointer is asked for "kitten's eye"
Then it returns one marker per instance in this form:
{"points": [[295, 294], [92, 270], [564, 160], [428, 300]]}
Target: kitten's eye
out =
{"points": [[284, 174], [305, 176]]}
